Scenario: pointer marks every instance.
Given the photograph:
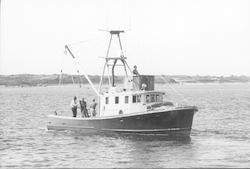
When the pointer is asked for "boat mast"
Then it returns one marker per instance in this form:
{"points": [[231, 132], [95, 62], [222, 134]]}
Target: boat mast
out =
{"points": [[78, 64], [99, 90], [121, 58]]}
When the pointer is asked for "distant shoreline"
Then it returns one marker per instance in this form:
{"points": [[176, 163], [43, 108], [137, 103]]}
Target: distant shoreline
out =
{"points": [[29, 80], [89, 86]]}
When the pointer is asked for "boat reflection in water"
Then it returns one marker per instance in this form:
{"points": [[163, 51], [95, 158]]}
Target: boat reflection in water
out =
{"points": [[135, 107]]}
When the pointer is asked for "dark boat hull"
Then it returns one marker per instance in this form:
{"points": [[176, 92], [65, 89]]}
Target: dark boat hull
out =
{"points": [[177, 122]]}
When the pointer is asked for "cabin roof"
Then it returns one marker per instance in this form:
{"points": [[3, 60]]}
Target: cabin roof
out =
{"points": [[122, 93]]}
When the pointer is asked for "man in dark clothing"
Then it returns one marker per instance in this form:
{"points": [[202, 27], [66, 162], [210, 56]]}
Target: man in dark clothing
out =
{"points": [[84, 110], [135, 72]]}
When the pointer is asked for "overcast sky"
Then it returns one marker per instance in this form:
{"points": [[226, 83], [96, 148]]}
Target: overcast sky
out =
{"points": [[172, 37]]}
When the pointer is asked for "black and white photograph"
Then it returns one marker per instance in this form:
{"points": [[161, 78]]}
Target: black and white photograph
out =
{"points": [[125, 84]]}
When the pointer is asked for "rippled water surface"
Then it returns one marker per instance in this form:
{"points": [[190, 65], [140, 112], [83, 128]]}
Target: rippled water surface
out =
{"points": [[220, 135]]}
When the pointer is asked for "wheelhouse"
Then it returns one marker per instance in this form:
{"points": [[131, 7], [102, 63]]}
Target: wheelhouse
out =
{"points": [[131, 97]]}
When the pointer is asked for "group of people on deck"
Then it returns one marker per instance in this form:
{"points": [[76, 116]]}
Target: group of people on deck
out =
{"points": [[83, 105]]}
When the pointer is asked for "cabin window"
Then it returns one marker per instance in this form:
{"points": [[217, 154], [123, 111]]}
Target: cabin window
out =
{"points": [[138, 98], [157, 98], [126, 99], [116, 100], [152, 98], [147, 99], [134, 99], [107, 100]]}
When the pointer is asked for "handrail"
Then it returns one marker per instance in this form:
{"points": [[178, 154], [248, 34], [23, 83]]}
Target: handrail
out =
{"points": [[174, 89]]}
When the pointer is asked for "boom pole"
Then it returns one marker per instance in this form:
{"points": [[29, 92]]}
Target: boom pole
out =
{"points": [[79, 66]]}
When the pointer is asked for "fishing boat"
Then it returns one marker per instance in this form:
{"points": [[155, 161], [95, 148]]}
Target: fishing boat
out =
{"points": [[134, 107]]}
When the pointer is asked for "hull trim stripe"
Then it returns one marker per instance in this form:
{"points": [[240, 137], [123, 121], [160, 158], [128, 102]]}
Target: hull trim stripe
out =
{"points": [[151, 130], [65, 126]]}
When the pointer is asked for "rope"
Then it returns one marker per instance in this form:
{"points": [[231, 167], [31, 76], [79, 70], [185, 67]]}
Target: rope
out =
{"points": [[92, 46], [60, 78], [85, 40], [174, 89], [59, 84], [109, 76], [72, 78], [81, 82]]}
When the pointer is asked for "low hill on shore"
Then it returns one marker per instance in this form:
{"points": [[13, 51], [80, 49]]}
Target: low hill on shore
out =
{"points": [[44, 80]]}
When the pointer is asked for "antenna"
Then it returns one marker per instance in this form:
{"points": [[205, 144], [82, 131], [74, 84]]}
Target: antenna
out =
{"points": [[129, 21], [107, 20]]}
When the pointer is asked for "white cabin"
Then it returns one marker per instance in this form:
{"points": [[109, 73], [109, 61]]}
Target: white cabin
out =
{"points": [[134, 96]]}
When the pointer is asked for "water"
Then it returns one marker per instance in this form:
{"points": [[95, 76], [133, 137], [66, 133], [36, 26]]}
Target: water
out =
{"points": [[220, 135]]}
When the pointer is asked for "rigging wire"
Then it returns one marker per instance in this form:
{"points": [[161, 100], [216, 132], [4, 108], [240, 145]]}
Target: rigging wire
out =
{"points": [[72, 78], [109, 76], [80, 81], [174, 89], [76, 59], [85, 40], [59, 84], [60, 78], [93, 46]]}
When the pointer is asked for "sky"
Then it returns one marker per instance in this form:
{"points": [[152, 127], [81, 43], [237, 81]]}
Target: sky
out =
{"points": [[171, 37]]}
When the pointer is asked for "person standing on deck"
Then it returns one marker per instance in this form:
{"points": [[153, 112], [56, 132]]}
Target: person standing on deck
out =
{"points": [[135, 72], [93, 108], [84, 110], [73, 106]]}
